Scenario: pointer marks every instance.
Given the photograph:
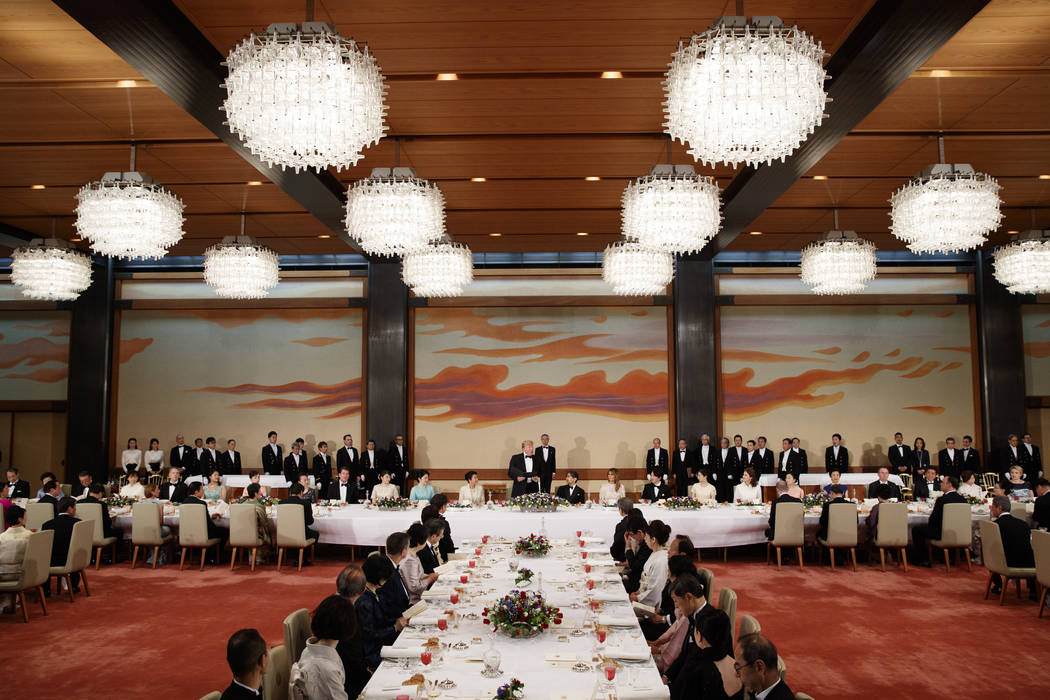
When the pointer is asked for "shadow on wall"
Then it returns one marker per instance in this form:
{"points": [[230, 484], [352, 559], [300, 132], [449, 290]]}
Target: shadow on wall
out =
{"points": [[579, 456], [625, 458], [874, 455], [511, 447], [420, 455]]}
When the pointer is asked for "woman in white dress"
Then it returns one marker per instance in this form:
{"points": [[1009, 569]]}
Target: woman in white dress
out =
{"points": [[612, 490], [133, 489], [968, 485], [702, 490], [131, 458], [748, 490], [384, 489], [654, 574], [471, 492], [154, 457]]}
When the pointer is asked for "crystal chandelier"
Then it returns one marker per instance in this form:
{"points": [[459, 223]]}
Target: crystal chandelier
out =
{"points": [[634, 270], [745, 93], [945, 208], [304, 97], [839, 263], [240, 267], [443, 269], [393, 212], [1023, 266], [50, 269], [128, 215], [672, 209]]}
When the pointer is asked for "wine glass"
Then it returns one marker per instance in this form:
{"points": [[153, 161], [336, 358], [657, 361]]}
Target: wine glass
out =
{"points": [[426, 657]]}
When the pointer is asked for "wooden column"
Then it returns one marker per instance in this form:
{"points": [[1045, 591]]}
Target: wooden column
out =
{"points": [[386, 354], [695, 355]]}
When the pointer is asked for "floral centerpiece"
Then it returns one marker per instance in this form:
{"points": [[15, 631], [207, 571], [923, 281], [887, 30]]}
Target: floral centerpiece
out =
{"points": [[521, 614], [532, 546], [458, 504], [391, 503], [538, 502], [515, 690], [975, 500], [683, 503], [523, 577], [332, 504], [269, 501], [118, 501], [817, 498]]}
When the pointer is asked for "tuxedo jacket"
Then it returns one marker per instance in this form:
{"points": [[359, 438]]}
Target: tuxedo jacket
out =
{"points": [[933, 529], [764, 464], [899, 463], [782, 498], [20, 489], [63, 527], [1041, 513], [792, 464], [293, 470], [549, 466], [573, 494], [781, 692], [185, 462], [654, 492], [1007, 460], [1036, 458], [971, 461], [107, 523], [213, 529], [428, 559], [949, 466], [711, 449], [174, 493], [349, 459], [239, 692], [656, 460], [353, 494], [230, 462], [895, 491], [922, 490], [393, 596], [1017, 540], [445, 545], [616, 549], [516, 469], [729, 469], [370, 467], [322, 468], [920, 459], [206, 463], [397, 464], [842, 463], [682, 468], [803, 460], [308, 511], [825, 515], [271, 462]]}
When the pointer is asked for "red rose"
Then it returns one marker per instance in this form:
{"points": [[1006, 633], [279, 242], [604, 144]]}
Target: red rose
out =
{"points": [[544, 625], [485, 620]]}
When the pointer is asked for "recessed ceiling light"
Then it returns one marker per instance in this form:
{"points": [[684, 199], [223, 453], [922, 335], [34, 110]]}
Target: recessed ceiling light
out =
{"points": [[1013, 232], [755, 233], [495, 235], [75, 239], [940, 73], [592, 178], [447, 76], [477, 179], [254, 183], [582, 233], [38, 187], [324, 235], [612, 74], [820, 177], [126, 83], [1044, 177]]}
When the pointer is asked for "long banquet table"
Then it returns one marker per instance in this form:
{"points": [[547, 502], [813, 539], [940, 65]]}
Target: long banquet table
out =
{"points": [[543, 663]]}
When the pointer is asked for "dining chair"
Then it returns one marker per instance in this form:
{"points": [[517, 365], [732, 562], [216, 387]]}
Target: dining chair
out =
{"points": [[244, 535], [93, 512], [789, 531], [78, 559], [291, 532], [193, 532], [727, 604], [892, 531], [1041, 547], [748, 625], [275, 680], [842, 531], [956, 533], [995, 560], [37, 514], [296, 632], [707, 577], [146, 530], [36, 568]]}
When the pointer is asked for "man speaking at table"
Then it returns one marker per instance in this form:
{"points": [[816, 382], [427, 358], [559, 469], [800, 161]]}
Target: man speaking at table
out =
{"points": [[523, 472]]}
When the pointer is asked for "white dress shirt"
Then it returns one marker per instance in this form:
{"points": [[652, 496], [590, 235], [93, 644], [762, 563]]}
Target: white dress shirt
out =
{"points": [[705, 452], [765, 693], [528, 464], [784, 459]]}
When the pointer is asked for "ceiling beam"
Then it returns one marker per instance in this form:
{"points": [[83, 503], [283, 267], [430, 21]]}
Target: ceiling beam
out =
{"points": [[156, 39], [893, 40], [14, 237]]}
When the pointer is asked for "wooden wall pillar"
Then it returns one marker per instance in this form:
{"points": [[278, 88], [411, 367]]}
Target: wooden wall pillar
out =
{"points": [[386, 354], [695, 352]]}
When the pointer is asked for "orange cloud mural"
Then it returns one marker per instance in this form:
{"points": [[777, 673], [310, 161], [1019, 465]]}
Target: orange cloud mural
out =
{"points": [[928, 410], [476, 323], [829, 351], [1039, 349], [133, 346], [33, 351], [319, 342], [758, 356], [346, 396], [55, 329], [42, 375], [235, 318], [861, 357], [922, 371]]}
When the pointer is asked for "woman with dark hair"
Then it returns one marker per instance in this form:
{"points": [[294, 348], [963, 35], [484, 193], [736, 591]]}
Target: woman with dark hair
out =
{"points": [[154, 457], [471, 492], [318, 674], [131, 458], [422, 491], [377, 629], [413, 572], [440, 504], [44, 478], [681, 544], [654, 574], [920, 458], [384, 489], [253, 478], [713, 675], [214, 490]]}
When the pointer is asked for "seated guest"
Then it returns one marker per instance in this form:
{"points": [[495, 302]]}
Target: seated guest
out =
{"points": [[612, 490], [837, 492], [1017, 487], [254, 478], [151, 492], [968, 485], [377, 629], [793, 489], [247, 657], [920, 534], [343, 489], [748, 490], [884, 478], [384, 489], [13, 542], [782, 497], [926, 484], [173, 489], [214, 490], [295, 497], [1017, 542], [681, 545], [44, 478], [571, 491], [133, 489], [656, 625], [690, 598], [756, 664], [265, 529], [1041, 513], [440, 504], [16, 487], [637, 551], [97, 494], [63, 524], [80, 489], [318, 674], [656, 489], [309, 494], [471, 492], [654, 573], [394, 593], [616, 549], [703, 490], [413, 574], [713, 674], [422, 491], [430, 554], [194, 496], [350, 584], [836, 478], [52, 494]]}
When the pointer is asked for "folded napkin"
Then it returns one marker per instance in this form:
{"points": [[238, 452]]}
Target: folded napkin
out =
{"points": [[424, 619], [625, 692], [626, 654], [400, 652], [611, 620], [559, 542], [619, 596], [453, 556], [437, 593], [595, 550], [447, 568]]}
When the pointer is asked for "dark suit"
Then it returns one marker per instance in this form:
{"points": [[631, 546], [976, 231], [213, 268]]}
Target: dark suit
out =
{"points": [[239, 692], [48, 498], [970, 459], [728, 472], [573, 494], [375, 627], [196, 468], [518, 468], [207, 462], [656, 461], [213, 529], [322, 464], [923, 489], [1007, 459], [271, 462], [172, 492], [63, 527], [1041, 514], [895, 491], [351, 460], [1017, 546], [230, 462], [355, 670], [803, 460], [183, 462], [781, 692], [683, 467], [710, 463], [949, 465], [763, 463], [920, 459], [635, 565], [428, 559], [900, 463], [655, 492], [107, 523], [792, 464], [782, 498], [308, 514], [920, 534], [292, 470], [1036, 462], [841, 462], [548, 467], [689, 656], [825, 515], [19, 489], [398, 465], [394, 596], [445, 544], [334, 493], [616, 549]]}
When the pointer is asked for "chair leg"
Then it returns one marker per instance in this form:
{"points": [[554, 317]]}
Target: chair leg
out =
{"points": [[134, 556], [254, 550], [769, 548], [156, 553], [831, 556], [303, 548], [853, 556], [1002, 590], [947, 563], [1018, 582], [280, 557], [799, 557], [182, 559], [988, 587], [778, 559], [43, 601], [204, 551], [882, 556], [25, 608], [820, 554], [98, 557], [969, 563], [1042, 600], [84, 583], [904, 559], [312, 553], [69, 586], [233, 558]]}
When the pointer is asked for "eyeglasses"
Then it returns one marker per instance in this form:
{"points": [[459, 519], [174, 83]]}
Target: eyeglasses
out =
{"points": [[738, 667]]}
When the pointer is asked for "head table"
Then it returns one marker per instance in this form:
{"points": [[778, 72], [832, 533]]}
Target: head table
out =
{"points": [[565, 661]]}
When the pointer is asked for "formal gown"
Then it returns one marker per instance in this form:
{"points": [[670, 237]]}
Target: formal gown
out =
{"points": [[387, 491], [421, 493], [154, 460], [609, 494], [212, 493], [136, 491], [743, 493], [702, 492], [474, 496]]}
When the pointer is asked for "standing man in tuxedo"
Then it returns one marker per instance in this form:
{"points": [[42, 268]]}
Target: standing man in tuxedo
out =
{"points": [[397, 462], [705, 457], [968, 456], [272, 459], [322, 466], [295, 463], [302, 449], [16, 488], [921, 534], [900, 456], [571, 491], [371, 465], [803, 459], [198, 449], [836, 456], [548, 462], [209, 457], [1034, 457], [949, 459], [181, 455], [732, 470], [230, 460], [723, 464], [656, 460], [787, 461], [683, 468], [343, 489], [1013, 455], [63, 527], [347, 457], [766, 463], [523, 471]]}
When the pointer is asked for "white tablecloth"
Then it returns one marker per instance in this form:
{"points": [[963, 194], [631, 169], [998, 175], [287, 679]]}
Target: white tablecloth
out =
{"points": [[271, 481], [849, 479], [525, 659]]}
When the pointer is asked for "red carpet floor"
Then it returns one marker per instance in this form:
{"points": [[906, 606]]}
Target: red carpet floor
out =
{"points": [[924, 634]]}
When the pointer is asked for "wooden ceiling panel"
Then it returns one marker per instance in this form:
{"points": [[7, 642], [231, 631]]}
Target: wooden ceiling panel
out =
{"points": [[150, 115], [73, 166], [31, 114], [532, 194], [934, 103], [526, 243], [808, 192], [796, 241], [1005, 33], [522, 221], [1022, 104]]}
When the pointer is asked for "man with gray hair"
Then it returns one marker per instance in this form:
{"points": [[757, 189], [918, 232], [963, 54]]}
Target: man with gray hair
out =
{"points": [[756, 664], [618, 549], [350, 584], [782, 497], [1017, 542]]}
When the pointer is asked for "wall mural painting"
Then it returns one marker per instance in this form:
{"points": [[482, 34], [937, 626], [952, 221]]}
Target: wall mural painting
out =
{"points": [[863, 371], [34, 355], [1035, 321]]}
